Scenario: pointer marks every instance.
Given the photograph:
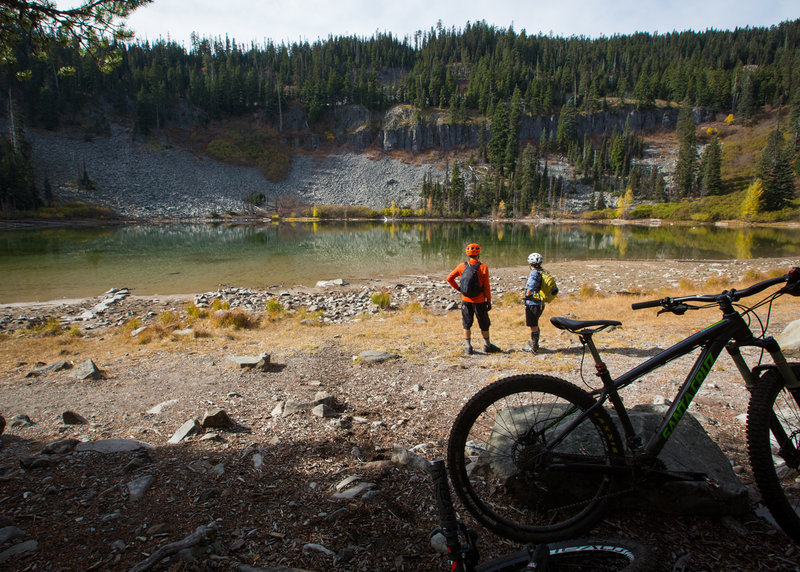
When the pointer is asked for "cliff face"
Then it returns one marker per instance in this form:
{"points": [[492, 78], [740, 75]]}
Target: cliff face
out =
{"points": [[402, 128]]}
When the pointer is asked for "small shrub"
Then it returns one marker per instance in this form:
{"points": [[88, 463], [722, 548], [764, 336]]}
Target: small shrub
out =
{"points": [[718, 282], [217, 304], [305, 314], [510, 299], [74, 331], [588, 291], [134, 324], [275, 308], [753, 276], [196, 313], [234, 319], [51, 327], [168, 318], [382, 299], [685, 284], [414, 307]]}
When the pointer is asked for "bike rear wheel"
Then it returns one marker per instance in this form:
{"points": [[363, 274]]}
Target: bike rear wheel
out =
{"points": [[514, 470], [595, 554], [773, 440]]}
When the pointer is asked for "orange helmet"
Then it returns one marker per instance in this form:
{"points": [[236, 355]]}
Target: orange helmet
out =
{"points": [[473, 249]]}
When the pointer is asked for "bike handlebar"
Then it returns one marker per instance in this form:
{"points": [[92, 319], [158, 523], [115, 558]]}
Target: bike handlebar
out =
{"points": [[792, 279], [649, 304]]}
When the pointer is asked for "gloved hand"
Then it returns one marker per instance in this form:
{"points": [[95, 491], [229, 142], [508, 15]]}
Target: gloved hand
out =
{"points": [[488, 306]]}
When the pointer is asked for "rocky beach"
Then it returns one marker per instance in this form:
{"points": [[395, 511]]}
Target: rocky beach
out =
{"points": [[140, 436]]}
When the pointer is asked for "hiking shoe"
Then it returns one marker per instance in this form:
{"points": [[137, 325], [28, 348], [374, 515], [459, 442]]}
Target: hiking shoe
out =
{"points": [[533, 348], [491, 349], [469, 351]]}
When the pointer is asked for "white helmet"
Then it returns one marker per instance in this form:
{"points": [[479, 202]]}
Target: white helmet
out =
{"points": [[534, 259]]}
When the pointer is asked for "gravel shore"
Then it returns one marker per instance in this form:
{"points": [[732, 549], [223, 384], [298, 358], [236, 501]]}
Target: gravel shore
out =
{"points": [[274, 480]]}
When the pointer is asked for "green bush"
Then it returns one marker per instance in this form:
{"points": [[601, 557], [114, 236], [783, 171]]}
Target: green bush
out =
{"points": [[382, 299], [222, 150]]}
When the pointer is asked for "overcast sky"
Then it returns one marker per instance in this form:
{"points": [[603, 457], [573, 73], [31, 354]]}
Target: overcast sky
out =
{"points": [[294, 20]]}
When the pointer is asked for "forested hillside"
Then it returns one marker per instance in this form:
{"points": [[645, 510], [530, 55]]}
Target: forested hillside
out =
{"points": [[486, 81]]}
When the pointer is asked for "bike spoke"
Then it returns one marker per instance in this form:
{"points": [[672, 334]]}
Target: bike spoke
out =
{"points": [[516, 462]]}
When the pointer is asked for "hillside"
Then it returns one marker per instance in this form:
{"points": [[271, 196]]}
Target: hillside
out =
{"points": [[512, 108], [164, 176]]}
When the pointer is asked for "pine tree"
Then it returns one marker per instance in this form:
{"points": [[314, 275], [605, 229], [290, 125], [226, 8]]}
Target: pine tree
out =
{"points": [[499, 140], [686, 167], [567, 130], [775, 171], [512, 135], [711, 168]]}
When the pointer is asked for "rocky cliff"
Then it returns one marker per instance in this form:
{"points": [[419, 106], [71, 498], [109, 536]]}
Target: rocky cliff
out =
{"points": [[402, 128], [146, 179]]}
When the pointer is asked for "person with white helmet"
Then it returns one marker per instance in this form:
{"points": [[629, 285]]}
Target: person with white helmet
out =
{"points": [[535, 298]]}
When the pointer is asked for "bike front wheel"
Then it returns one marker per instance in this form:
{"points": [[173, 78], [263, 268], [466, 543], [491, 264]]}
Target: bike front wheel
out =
{"points": [[595, 554], [773, 441], [530, 458]]}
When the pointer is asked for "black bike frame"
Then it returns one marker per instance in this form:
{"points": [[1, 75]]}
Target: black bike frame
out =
{"points": [[713, 340]]}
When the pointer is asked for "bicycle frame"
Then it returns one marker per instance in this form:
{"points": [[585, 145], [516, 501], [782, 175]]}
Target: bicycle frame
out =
{"points": [[731, 333]]}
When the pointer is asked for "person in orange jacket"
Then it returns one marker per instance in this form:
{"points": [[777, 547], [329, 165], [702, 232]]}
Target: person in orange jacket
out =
{"points": [[476, 297]]}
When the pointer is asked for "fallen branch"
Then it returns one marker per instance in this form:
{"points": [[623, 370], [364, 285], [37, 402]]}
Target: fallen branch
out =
{"points": [[202, 534]]}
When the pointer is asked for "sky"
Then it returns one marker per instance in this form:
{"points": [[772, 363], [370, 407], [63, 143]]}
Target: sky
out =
{"points": [[289, 21]]}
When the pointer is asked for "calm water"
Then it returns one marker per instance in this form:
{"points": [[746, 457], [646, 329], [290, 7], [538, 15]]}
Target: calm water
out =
{"points": [[183, 258]]}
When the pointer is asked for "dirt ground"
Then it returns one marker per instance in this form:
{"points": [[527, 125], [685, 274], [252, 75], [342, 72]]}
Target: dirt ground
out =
{"points": [[268, 483]]}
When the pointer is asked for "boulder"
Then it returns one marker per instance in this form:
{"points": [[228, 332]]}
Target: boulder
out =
{"points": [[260, 361], [191, 427], [216, 418], [86, 370]]}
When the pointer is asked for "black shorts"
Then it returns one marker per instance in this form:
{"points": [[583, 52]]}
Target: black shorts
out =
{"points": [[469, 310], [532, 314]]}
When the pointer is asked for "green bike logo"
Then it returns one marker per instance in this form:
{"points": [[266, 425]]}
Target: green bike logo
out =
{"points": [[691, 391]]}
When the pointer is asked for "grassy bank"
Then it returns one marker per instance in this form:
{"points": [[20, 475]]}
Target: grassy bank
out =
{"points": [[417, 334]]}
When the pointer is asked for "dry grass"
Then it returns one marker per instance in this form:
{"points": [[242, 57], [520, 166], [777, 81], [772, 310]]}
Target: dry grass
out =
{"points": [[412, 331]]}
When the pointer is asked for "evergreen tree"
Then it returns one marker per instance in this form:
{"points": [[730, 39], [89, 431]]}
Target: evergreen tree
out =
{"points": [[617, 156], [499, 139], [794, 125], [746, 108], [567, 130], [775, 172], [457, 186], [711, 168], [512, 135], [686, 167]]}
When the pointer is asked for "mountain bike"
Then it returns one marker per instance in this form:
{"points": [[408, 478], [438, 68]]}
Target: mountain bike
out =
{"points": [[536, 459], [607, 554]]}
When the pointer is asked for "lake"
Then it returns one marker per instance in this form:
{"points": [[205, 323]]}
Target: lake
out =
{"points": [[77, 262]]}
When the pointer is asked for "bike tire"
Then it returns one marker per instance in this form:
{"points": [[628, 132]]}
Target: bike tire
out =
{"points": [[595, 554], [775, 469], [498, 470]]}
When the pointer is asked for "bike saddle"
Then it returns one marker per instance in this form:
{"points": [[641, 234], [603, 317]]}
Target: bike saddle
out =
{"points": [[574, 326]]}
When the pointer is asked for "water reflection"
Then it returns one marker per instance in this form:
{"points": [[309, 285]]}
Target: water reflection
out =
{"points": [[181, 258]]}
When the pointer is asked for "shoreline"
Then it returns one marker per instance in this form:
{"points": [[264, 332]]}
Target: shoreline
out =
{"points": [[605, 276], [28, 223]]}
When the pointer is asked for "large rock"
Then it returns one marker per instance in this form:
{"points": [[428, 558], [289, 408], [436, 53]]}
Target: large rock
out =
{"points": [[689, 450], [260, 361], [789, 338]]}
